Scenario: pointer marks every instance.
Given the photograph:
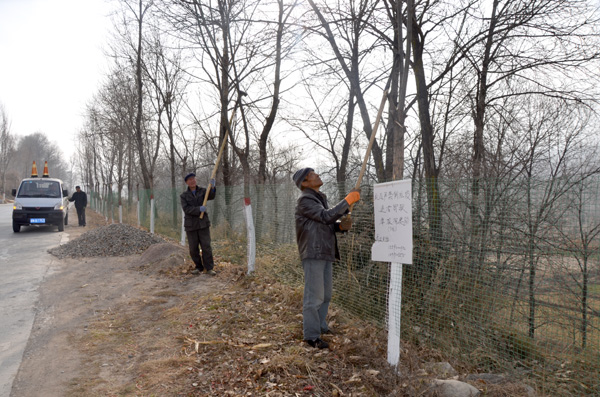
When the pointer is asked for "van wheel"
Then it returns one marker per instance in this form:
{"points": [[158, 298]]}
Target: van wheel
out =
{"points": [[61, 227], [16, 227]]}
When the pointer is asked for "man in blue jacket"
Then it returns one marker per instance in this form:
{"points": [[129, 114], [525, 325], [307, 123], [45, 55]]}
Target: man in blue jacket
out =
{"points": [[198, 229], [316, 225]]}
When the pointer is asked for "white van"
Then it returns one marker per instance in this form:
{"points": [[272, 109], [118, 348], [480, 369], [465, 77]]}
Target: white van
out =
{"points": [[40, 201]]}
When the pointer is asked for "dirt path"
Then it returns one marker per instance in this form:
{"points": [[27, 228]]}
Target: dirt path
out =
{"points": [[77, 292]]}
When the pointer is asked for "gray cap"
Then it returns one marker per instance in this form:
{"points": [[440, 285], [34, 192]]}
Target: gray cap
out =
{"points": [[300, 176]]}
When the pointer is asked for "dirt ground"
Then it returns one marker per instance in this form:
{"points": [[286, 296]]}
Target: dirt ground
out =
{"points": [[80, 293], [142, 325]]}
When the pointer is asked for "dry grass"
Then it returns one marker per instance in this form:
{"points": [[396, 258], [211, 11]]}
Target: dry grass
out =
{"points": [[242, 339]]}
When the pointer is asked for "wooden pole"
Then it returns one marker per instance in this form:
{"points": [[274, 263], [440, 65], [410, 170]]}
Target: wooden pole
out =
{"points": [[216, 167], [371, 140]]}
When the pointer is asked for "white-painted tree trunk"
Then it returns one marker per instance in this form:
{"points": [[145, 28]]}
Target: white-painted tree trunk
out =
{"points": [[182, 228], [152, 215], [250, 235]]}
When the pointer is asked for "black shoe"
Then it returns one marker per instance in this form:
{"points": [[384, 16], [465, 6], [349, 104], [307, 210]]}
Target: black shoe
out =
{"points": [[196, 271], [328, 332], [318, 343]]}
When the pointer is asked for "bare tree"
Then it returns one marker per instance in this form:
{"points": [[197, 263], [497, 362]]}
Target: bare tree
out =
{"points": [[7, 145], [335, 132], [211, 28], [133, 50], [554, 134], [580, 238], [37, 147], [353, 26], [528, 45], [164, 70], [239, 46]]}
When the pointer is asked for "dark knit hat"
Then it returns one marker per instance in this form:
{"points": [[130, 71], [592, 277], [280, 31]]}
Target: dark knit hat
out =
{"points": [[300, 176], [191, 174]]}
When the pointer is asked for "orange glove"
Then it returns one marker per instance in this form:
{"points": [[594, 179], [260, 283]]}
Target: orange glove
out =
{"points": [[353, 196]]}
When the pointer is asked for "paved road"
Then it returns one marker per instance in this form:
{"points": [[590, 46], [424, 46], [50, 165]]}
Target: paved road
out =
{"points": [[24, 263]]}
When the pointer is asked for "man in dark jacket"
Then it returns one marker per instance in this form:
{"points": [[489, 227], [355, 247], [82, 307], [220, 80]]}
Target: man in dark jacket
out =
{"points": [[316, 225], [198, 229], [80, 199]]}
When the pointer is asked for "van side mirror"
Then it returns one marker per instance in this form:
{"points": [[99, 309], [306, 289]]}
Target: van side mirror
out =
{"points": [[65, 193], [14, 192]]}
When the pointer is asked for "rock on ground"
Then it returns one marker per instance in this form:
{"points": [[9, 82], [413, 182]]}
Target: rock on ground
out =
{"points": [[453, 388]]}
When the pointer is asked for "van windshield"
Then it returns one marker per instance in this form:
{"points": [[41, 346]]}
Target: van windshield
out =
{"points": [[49, 189]]}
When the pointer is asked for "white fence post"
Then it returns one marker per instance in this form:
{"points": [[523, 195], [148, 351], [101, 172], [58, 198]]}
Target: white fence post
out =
{"points": [[394, 313], [120, 213], [152, 214], [182, 228], [250, 234]]}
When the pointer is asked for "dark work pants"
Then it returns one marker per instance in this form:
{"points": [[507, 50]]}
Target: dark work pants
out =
{"points": [[201, 237], [81, 215]]}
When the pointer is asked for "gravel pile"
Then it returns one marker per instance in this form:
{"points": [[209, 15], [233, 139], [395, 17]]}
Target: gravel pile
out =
{"points": [[112, 240]]}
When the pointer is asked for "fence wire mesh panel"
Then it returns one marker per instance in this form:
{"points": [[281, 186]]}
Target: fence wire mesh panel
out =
{"points": [[505, 273]]}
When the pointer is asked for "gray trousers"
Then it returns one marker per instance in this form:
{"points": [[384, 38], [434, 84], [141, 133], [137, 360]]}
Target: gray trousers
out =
{"points": [[317, 295], [201, 238]]}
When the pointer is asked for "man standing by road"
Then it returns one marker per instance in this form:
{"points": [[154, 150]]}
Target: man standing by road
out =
{"points": [[80, 199], [316, 225], [198, 229]]}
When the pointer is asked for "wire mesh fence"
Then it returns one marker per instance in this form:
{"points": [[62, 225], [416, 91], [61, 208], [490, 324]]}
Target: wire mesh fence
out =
{"points": [[505, 274]]}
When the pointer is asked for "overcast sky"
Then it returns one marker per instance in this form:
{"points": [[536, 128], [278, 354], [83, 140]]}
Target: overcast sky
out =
{"points": [[51, 63]]}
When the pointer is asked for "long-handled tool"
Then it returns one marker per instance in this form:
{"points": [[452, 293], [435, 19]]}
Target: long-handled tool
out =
{"points": [[216, 167], [372, 139]]}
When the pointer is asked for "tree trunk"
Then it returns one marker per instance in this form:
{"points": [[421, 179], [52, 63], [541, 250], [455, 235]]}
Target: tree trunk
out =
{"points": [[584, 301], [140, 95], [431, 171], [352, 74], [532, 275], [478, 146]]}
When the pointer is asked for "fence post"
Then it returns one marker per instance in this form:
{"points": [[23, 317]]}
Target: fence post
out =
{"points": [[394, 313], [152, 214], [250, 234], [182, 228]]}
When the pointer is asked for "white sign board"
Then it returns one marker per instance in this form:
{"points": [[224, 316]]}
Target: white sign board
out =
{"points": [[393, 222]]}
